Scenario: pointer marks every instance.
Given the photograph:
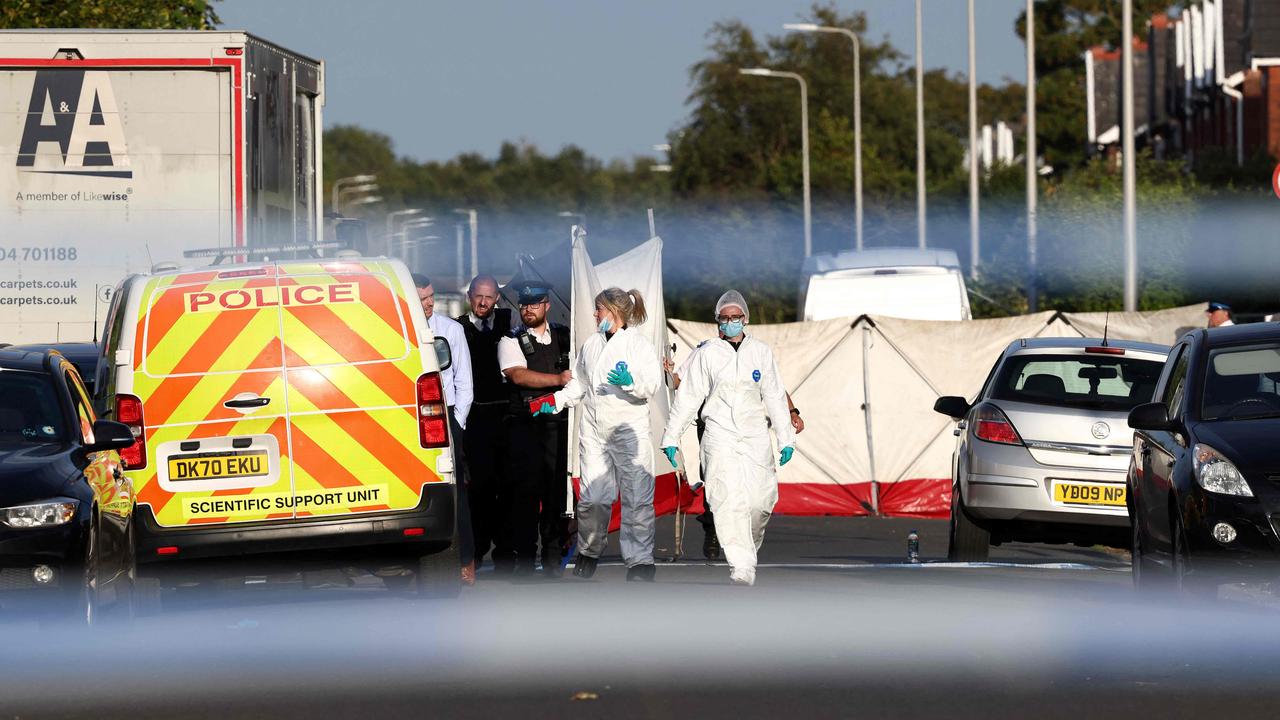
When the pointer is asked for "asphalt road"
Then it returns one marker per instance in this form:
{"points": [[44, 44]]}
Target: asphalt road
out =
{"points": [[838, 625]]}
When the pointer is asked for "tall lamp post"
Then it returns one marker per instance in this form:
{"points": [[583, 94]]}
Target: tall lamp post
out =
{"points": [[1130, 211], [472, 225], [975, 238], [343, 182], [391, 224], [921, 216], [804, 142], [1033, 298], [857, 116]]}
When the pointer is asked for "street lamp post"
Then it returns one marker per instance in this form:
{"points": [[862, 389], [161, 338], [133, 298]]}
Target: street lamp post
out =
{"points": [[403, 240], [921, 216], [804, 142], [1033, 297], [857, 116], [391, 224], [975, 238], [1130, 222], [344, 181], [472, 223]]}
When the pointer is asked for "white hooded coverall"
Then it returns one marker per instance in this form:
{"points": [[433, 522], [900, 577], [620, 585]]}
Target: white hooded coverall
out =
{"points": [[614, 447], [741, 388]]}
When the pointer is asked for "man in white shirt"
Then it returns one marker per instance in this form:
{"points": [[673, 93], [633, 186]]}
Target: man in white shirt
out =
{"points": [[458, 393]]}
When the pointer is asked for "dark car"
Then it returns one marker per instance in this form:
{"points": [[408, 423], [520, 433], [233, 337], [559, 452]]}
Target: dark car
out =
{"points": [[84, 355], [66, 507], [1204, 482]]}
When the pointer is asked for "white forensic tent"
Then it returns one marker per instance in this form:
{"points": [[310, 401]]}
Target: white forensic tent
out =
{"points": [[866, 387]]}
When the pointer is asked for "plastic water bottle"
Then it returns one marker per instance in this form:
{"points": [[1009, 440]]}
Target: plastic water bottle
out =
{"points": [[913, 547]]}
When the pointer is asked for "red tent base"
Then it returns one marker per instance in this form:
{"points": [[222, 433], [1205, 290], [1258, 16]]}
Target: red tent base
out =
{"points": [[918, 498]]}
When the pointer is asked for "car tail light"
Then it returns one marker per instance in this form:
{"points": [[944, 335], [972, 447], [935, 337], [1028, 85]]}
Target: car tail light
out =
{"points": [[433, 414], [129, 412], [992, 425], [1104, 350]]}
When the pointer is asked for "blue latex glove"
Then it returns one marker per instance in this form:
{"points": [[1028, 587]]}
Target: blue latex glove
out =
{"points": [[546, 409], [671, 455], [620, 377], [787, 452]]}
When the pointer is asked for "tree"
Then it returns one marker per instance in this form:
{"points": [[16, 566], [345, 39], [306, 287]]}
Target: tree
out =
{"points": [[130, 14], [1065, 29], [743, 135]]}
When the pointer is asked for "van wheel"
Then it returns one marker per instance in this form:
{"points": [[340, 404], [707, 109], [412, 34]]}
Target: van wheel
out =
{"points": [[968, 541], [439, 574]]}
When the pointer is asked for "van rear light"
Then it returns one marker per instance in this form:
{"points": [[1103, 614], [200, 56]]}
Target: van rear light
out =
{"points": [[167, 550], [433, 413], [129, 412], [1104, 350], [992, 425]]}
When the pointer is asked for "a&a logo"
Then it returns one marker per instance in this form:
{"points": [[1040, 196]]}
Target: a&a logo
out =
{"points": [[77, 110]]}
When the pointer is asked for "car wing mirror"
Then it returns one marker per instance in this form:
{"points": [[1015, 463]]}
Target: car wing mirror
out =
{"points": [[444, 355], [1150, 416], [952, 406], [110, 435]]}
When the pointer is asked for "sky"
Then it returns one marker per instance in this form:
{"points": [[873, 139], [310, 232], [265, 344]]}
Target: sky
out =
{"points": [[443, 77]]}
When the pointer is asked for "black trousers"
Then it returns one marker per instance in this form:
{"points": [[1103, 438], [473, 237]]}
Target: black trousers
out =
{"points": [[466, 539], [485, 442], [533, 494]]}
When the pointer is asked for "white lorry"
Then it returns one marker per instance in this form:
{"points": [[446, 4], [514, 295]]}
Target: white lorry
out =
{"points": [[897, 282], [123, 149]]}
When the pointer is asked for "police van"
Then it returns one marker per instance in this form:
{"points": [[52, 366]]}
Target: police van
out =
{"points": [[283, 406]]}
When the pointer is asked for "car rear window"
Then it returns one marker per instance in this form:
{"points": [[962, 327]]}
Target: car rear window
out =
{"points": [[29, 410], [1110, 383], [1242, 383]]}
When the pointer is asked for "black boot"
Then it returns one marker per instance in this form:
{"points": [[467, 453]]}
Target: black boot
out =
{"points": [[551, 564], [711, 544], [641, 573], [585, 566]]}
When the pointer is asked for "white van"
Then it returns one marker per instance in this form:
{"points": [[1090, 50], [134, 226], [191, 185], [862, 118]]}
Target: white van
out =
{"points": [[897, 282]]}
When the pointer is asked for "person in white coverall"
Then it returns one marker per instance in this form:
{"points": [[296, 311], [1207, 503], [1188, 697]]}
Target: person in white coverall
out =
{"points": [[737, 378], [616, 374]]}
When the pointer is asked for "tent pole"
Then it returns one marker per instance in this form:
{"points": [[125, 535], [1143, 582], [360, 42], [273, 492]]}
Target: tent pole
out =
{"points": [[866, 415], [653, 228]]}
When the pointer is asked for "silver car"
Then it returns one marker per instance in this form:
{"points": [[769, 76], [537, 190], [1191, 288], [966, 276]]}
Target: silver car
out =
{"points": [[1042, 451]]}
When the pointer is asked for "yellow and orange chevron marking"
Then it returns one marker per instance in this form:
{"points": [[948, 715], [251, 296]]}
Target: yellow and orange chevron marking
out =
{"points": [[330, 342]]}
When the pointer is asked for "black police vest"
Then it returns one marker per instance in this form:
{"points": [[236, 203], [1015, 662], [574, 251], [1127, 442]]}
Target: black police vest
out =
{"points": [[483, 345], [552, 358]]}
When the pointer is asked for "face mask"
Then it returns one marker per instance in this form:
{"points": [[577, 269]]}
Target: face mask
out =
{"points": [[605, 326], [731, 329]]}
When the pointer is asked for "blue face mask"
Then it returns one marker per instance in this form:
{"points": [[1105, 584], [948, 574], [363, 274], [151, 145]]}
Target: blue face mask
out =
{"points": [[731, 329], [605, 326]]}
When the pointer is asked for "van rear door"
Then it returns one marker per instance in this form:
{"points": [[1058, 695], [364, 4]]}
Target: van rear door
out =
{"points": [[352, 361], [209, 373]]}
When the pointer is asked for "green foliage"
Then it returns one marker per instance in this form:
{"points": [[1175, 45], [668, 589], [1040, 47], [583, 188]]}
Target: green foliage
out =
{"points": [[744, 133], [120, 14]]}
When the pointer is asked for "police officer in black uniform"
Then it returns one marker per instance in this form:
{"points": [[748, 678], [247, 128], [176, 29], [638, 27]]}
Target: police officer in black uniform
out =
{"points": [[485, 437], [534, 357]]}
